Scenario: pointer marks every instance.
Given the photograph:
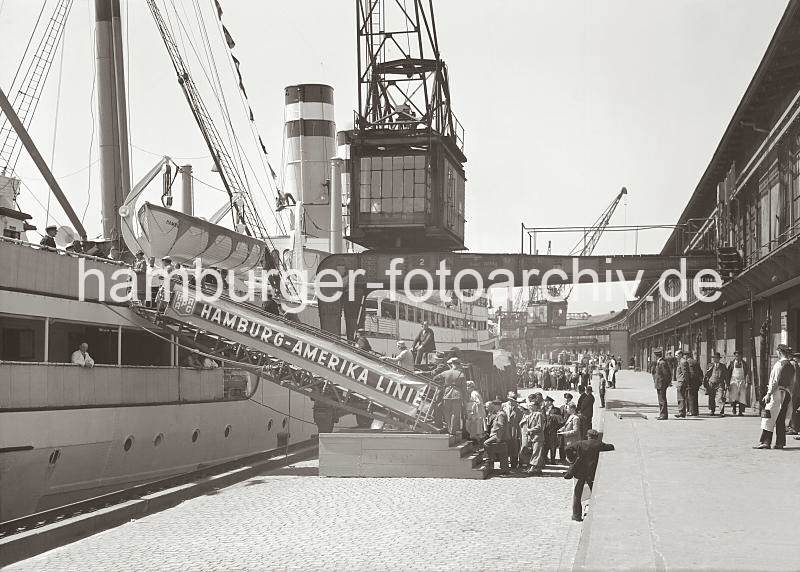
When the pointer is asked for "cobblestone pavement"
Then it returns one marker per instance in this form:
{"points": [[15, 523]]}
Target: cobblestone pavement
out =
{"points": [[293, 519]]}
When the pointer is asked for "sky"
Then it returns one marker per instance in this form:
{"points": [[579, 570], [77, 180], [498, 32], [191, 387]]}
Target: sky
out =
{"points": [[563, 103]]}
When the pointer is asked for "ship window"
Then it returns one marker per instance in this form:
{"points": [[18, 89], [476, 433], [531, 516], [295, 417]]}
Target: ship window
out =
{"points": [[269, 425], [227, 431], [128, 443], [158, 440], [143, 348], [66, 337], [195, 435], [21, 339]]}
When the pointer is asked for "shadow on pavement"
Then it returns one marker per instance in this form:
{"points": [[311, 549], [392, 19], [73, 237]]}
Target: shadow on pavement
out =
{"points": [[294, 472]]}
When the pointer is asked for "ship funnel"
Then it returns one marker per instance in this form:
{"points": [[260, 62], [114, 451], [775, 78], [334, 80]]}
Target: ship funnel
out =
{"points": [[309, 144]]}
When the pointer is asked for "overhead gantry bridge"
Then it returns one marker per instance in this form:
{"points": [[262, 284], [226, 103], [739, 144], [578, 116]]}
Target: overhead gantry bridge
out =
{"points": [[360, 273]]}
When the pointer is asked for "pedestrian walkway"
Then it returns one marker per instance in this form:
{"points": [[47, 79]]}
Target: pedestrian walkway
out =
{"points": [[688, 493]]}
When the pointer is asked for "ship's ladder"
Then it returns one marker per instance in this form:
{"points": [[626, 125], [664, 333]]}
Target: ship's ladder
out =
{"points": [[299, 357]]}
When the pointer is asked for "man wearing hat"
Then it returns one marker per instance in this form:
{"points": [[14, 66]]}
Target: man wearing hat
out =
{"points": [[739, 384], [362, 342], [404, 356], [682, 376], [662, 377], [716, 379], [777, 400], [496, 445], [514, 413], [693, 382], [140, 262], [48, 240], [794, 424], [453, 396]]}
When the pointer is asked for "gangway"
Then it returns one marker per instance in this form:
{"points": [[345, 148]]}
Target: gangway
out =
{"points": [[300, 357]]}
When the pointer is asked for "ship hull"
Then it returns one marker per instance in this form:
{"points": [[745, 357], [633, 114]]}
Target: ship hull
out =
{"points": [[51, 457]]}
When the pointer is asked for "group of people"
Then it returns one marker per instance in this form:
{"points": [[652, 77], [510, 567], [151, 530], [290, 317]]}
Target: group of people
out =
{"points": [[732, 384], [724, 383]]}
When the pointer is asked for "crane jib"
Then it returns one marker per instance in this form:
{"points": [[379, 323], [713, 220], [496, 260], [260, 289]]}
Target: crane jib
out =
{"points": [[409, 391]]}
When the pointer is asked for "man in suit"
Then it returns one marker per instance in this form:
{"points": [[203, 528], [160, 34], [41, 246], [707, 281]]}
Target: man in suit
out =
{"points": [[424, 343], [514, 414], [453, 381], [716, 379], [682, 377], [586, 454], [662, 378], [48, 240], [586, 408], [496, 445], [693, 377]]}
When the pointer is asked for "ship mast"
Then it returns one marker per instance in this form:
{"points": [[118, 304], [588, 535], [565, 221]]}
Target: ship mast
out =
{"points": [[112, 118]]}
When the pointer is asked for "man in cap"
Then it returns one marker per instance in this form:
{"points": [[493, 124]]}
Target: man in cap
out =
{"points": [[514, 413], [716, 379], [794, 424], [440, 364], [693, 383], [404, 356], [453, 381], [532, 428], [739, 384], [496, 446], [682, 375], [361, 341], [140, 262], [777, 400], [586, 454], [424, 343], [586, 408], [48, 240], [662, 377]]}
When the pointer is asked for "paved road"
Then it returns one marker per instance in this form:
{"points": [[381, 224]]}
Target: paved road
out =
{"points": [[293, 519], [689, 494]]}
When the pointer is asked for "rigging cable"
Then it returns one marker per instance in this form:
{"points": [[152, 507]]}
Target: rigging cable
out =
{"points": [[91, 111], [55, 120], [257, 139]]}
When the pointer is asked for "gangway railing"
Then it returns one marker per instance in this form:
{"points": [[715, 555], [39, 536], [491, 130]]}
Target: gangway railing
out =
{"points": [[300, 357]]}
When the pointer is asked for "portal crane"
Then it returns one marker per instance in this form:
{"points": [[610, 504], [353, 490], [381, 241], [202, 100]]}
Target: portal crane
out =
{"points": [[584, 247]]}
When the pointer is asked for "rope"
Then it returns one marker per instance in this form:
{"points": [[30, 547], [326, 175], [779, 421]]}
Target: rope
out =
{"points": [[91, 111], [210, 356]]}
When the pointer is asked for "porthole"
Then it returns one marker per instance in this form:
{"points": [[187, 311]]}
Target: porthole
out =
{"points": [[195, 435], [54, 455], [285, 420], [128, 443], [227, 431], [158, 440], [269, 425]]}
